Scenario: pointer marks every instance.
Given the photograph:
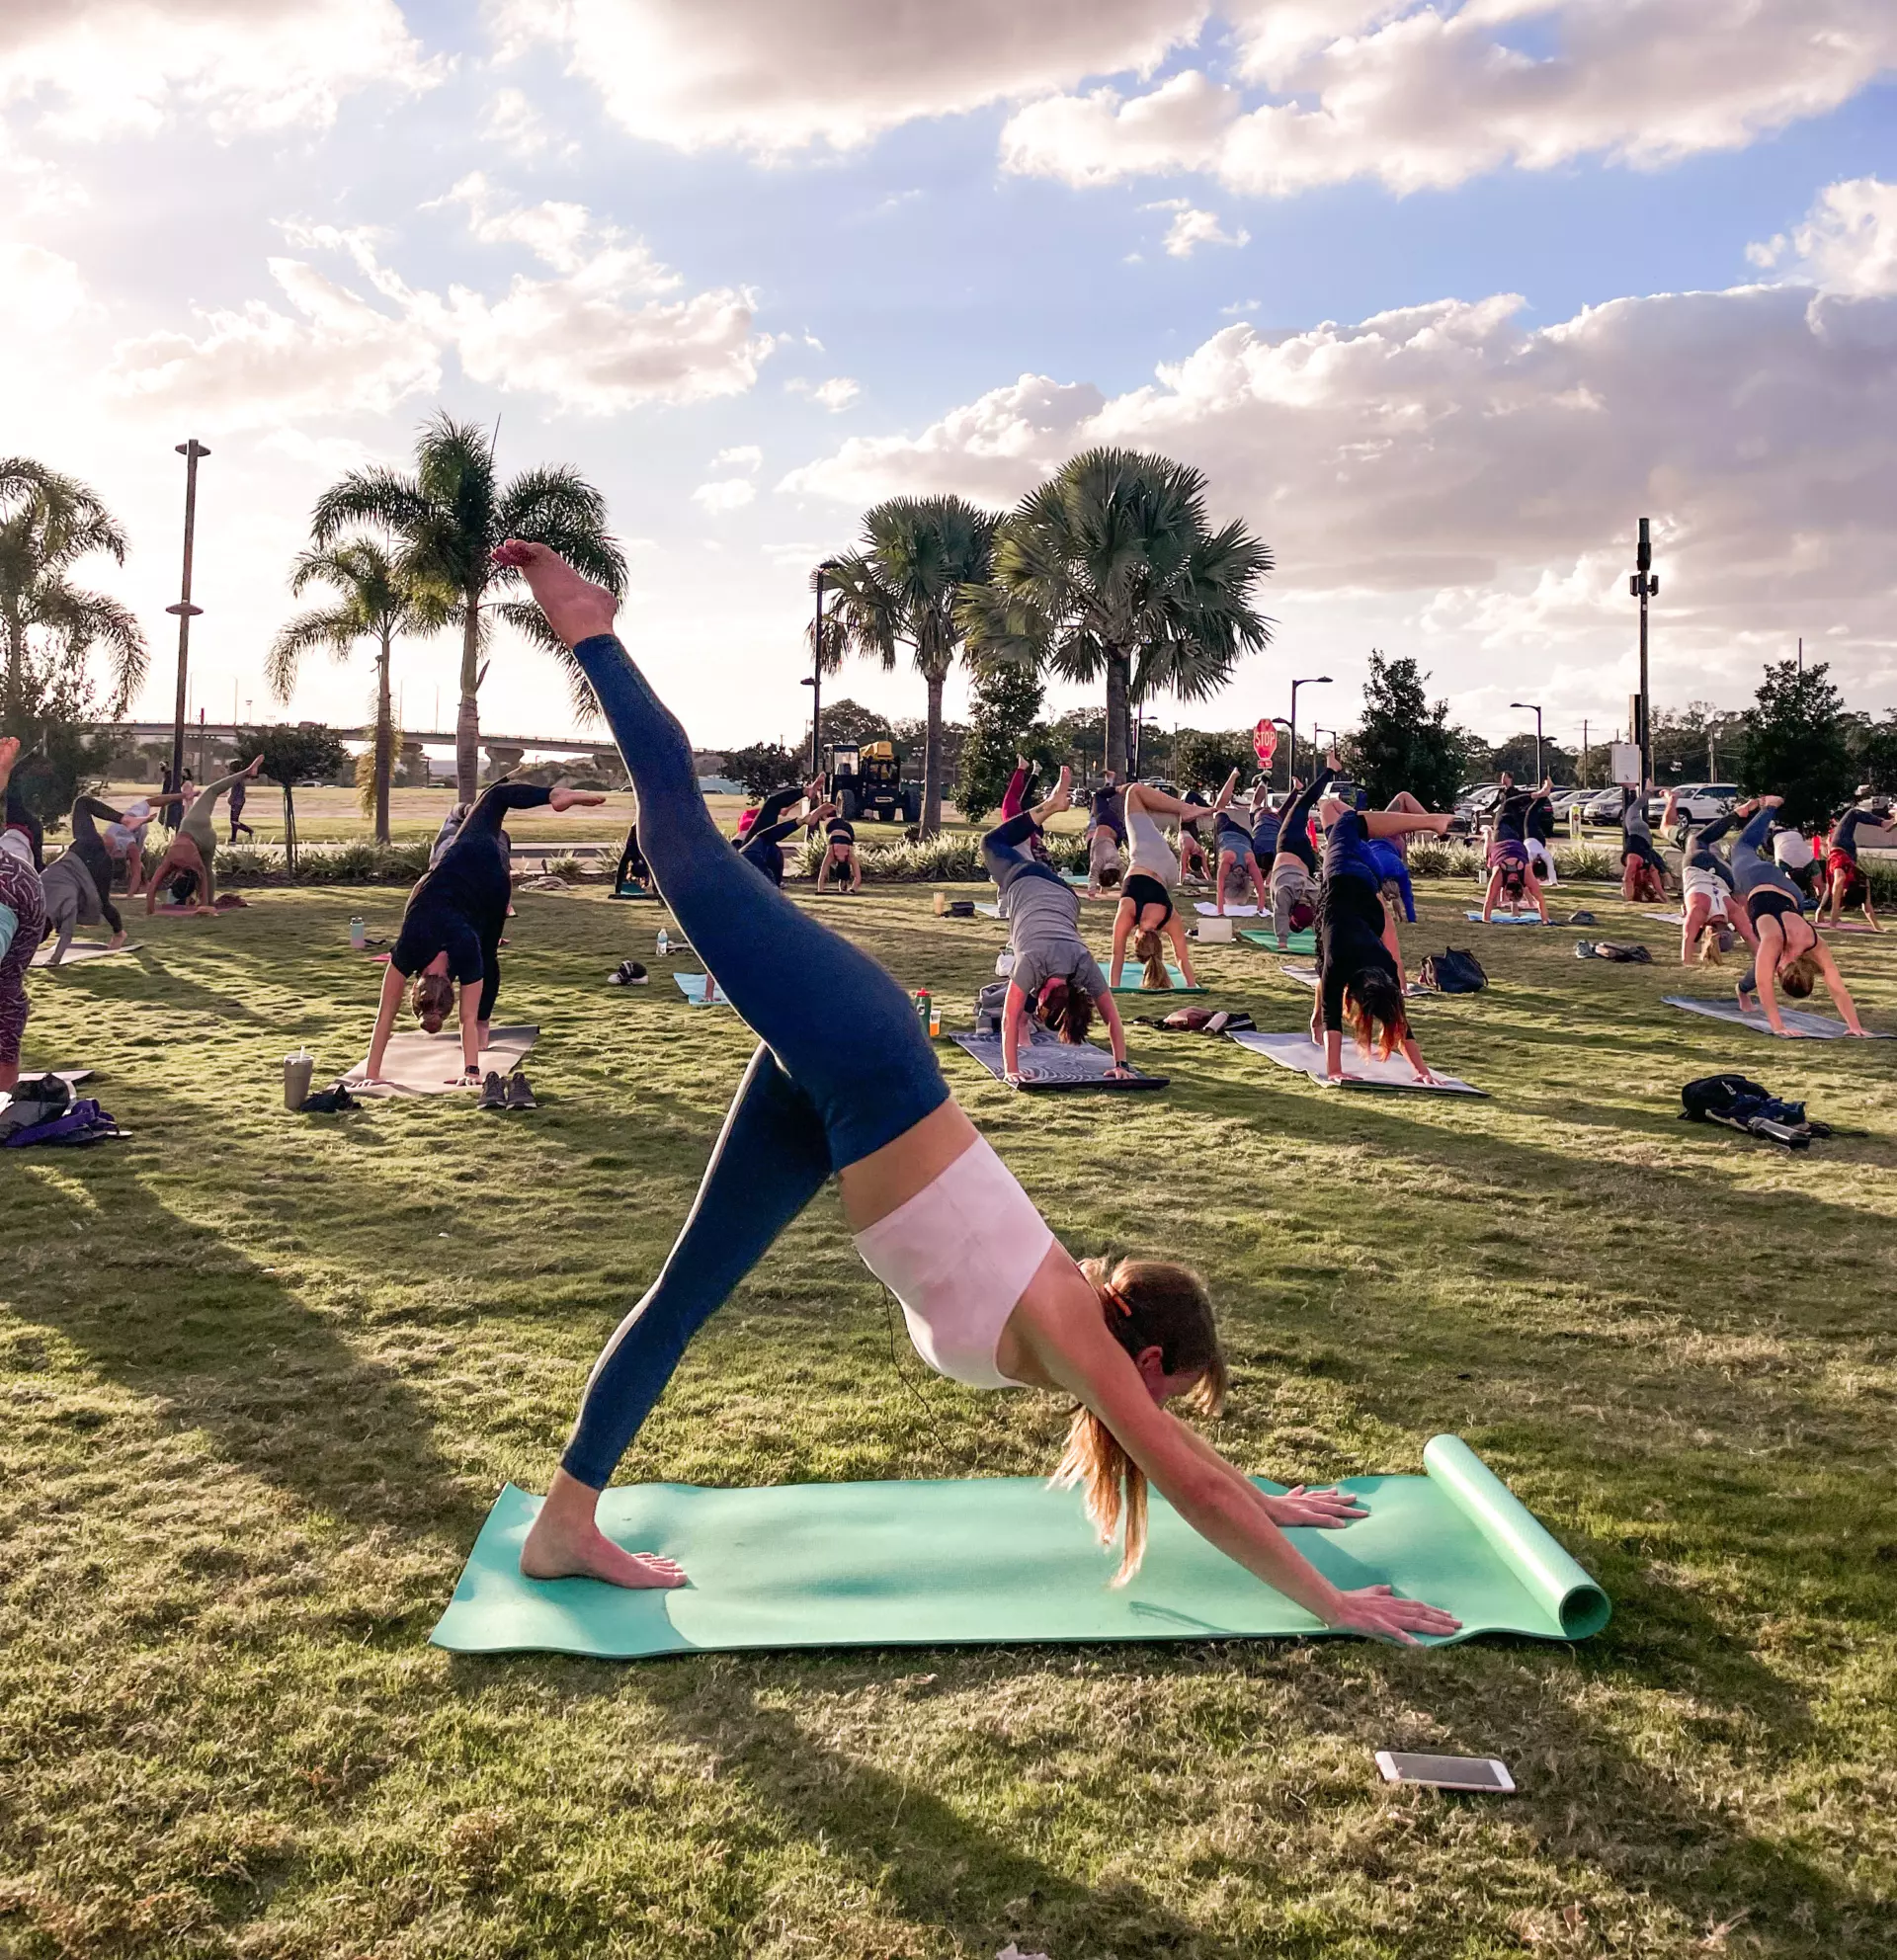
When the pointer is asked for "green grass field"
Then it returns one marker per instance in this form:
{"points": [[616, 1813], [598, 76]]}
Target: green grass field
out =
{"points": [[264, 1374]]}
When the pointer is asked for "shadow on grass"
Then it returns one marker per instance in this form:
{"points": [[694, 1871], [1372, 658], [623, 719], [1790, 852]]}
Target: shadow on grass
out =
{"points": [[175, 1313]]}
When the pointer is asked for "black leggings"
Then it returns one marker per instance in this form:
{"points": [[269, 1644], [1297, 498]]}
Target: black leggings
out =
{"points": [[90, 850]]}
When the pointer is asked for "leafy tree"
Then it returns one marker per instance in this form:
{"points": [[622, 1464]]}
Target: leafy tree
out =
{"points": [[1695, 744], [1079, 739], [1873, 754], [1111, 571], [920, 555], [1796, 743], [1517, 756], [764, 766], [293, 752], [448, 515], [1205, 761], [377, 597], [844, 722], [50, 626], [1004, 708], [911, 738], [1403, 742]]}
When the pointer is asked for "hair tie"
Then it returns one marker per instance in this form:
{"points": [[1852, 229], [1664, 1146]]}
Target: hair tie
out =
{"points": [[1115, 1298]]}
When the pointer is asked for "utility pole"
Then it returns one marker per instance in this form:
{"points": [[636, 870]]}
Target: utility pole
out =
{"points": [[1582, 769], [814, 679], [192, 452], [1643, 588]]}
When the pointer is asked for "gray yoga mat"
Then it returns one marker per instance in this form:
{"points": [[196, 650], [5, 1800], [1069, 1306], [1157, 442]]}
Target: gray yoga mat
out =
{"points": [[1301, 1054], [419, 1064], [1822, 1026], [1510, 919], [1056, 1063], [693, 987], [1002, 1561], [81, 949]]}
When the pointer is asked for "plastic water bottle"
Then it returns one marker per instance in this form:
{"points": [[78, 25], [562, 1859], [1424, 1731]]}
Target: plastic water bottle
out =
{"points": [[665, 944], [357, 934], [921, 1007]]}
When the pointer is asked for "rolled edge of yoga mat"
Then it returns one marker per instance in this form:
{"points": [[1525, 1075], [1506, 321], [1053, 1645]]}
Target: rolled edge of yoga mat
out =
{"points": [[1573, 1599]]}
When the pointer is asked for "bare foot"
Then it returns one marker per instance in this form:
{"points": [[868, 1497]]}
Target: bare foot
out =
{"points": [[575, 607], [565, 1543], [9, 755]]}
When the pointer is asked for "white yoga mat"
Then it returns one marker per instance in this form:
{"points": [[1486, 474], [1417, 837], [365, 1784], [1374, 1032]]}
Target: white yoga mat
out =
{"points": [[693, 987], [419, 1064], [1821, 1026], [1666, 918], [1300, 1053], [1209, 908], [81, 949], [988, 911]]}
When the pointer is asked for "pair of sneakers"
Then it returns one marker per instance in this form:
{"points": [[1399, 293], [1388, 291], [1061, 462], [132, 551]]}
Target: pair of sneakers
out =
{"points": [[500, 1091]]}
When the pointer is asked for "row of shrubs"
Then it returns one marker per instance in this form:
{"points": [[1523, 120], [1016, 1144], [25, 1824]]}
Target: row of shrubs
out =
{"points": [[951, 860]]}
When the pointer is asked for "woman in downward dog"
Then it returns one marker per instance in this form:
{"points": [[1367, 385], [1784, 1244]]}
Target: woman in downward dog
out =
{"points": [[193, 850], [1643, 871], [1054, 980], [1360, 976], [1844, 879], [845, 1084], [1295, 865], [1790, 956], [1146, 906], [22, 914], [1511, 875], [1709, 894], [451, 930], [840, 857]]}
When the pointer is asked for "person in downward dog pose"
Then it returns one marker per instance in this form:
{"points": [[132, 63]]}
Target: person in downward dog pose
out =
{"points": [[1788, 956], [1295, 865], [125, 841], [1054, 980], [840, 857], [1192, 862], [1844, 879], [1643, 871], [843, 1083], [1146, 906], [1511, 875], [1709, 906], [193, 849], [21, 915], [762, 843], [77, 884], [452, 929], [1360, 984], [1237, 860]]}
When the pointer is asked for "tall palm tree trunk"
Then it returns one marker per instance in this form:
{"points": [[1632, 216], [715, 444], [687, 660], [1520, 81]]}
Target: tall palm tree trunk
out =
{"points": [[1119, 668], [385, 741], [467, 722], [932, 760]]}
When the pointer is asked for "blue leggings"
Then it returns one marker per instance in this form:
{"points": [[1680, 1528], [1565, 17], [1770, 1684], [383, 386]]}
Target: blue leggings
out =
{"points": [[844, 1066]]}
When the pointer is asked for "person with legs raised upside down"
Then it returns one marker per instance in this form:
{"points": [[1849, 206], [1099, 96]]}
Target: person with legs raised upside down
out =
{"points": [[1844, 879], [451, 930], [1709, 894], [21, 916], [1789, 957], [843, 1083], [193, 850], [1146, 908]]}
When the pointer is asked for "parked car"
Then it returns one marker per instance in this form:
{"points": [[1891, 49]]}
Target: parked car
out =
{"points": [[1476, 802], [1603, 806], [1563, 800], [1700, 802]]}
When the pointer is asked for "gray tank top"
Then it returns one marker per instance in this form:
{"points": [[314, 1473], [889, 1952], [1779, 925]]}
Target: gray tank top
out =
{"points": [[1150, 853]]}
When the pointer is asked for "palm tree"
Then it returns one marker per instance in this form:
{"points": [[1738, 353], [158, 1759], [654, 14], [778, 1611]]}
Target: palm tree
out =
{"points": [[1111, 569], [48, 523], [377, 598], [449, 516], [919, 555]]}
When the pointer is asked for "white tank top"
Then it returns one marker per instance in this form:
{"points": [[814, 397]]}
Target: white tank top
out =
{"points": [[1150, 853], [959, 1256]]}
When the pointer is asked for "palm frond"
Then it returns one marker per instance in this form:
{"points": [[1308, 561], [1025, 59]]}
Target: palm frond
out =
{"points": [[335, 630]]}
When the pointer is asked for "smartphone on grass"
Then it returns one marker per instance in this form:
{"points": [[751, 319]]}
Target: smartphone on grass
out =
{"points": [[1445, 1772]]}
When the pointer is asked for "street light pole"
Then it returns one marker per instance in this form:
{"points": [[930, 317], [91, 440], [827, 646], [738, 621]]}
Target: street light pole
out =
{"points": [[1643, 588], [815, 682], [192, 452], [1308, 681], [1537, 707]]}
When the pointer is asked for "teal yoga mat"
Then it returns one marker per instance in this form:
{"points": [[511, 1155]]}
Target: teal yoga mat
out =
{"points": [[1130, 983], [1264, 936], [1000, 1561]]}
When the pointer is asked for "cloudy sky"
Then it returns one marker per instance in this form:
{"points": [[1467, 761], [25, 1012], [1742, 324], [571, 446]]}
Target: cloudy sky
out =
{"points": [[1442, 297]]}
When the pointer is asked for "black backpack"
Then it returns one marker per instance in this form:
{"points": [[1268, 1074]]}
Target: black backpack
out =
{"points": [[1454, 970], [1741, 1103]]}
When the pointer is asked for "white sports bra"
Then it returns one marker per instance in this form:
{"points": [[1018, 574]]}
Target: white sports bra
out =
{"points": [[959, 1256]]}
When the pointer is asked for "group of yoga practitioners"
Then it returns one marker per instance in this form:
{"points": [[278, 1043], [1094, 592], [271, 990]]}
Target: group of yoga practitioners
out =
{"points": [[844, 1081]]}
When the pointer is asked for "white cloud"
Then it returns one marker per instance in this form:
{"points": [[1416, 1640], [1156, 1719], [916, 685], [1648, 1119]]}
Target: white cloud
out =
{"points": [[1424, 94], [772, 77], [729, 494], [511, 123], [1848, 242], [256, 366], [1482, 477], [41, 292], [1190, 230], [96, 68], [834, 395], [746, 456]]}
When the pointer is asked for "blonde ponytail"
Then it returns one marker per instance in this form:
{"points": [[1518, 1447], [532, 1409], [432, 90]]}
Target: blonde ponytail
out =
{"points": [[1148, 1303], [1149, 947]]}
